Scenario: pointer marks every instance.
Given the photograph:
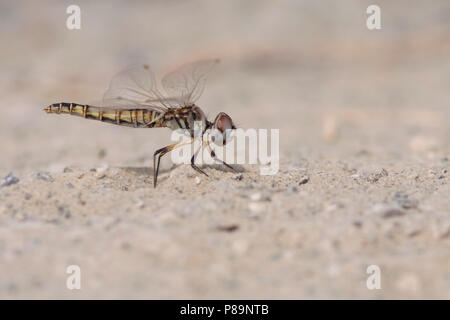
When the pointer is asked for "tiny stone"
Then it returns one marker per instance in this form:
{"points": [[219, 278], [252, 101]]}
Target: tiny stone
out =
{"points": [[27, 196], [393, 212], [67, 169], [228, 228], [93, 170], [179, 190], [9, 180], [303, 180], [239, 177], [45, 176], [197, 180], [374, 177], [70, 186]]}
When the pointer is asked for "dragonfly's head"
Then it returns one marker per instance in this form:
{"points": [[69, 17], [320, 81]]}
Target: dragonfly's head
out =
{"points": [[222, 123]]}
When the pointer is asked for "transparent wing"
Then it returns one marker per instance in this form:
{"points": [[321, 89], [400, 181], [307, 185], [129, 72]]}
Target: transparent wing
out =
{"points": [[135, 88], [187, 83]]}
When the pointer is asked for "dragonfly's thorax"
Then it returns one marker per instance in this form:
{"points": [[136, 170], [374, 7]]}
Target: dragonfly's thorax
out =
{"points": [[190, 118]]}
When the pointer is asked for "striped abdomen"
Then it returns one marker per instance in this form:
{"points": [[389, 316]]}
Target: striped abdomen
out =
{"points": [[138, 118]]}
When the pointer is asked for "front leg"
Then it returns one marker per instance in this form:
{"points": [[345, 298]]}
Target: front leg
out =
{"points": [[213, 155], [193, 162]]}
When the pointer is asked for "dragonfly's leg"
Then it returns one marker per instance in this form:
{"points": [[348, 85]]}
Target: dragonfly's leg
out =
{"points": [[160, 152], [213, 155], [193, 162]]}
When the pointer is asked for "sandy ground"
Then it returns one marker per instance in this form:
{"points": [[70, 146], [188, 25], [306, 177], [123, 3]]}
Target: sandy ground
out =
{"points": [[364, 154]]}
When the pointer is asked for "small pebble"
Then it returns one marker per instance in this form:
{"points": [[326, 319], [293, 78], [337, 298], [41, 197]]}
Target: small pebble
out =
{"points": [[303, 180], [374, 177], [9, 180], [228, 228], [239, 177], [45, 176], [197, 180]]}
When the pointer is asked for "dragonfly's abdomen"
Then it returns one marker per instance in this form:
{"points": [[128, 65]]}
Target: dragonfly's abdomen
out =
{"points": [[138, 118]]}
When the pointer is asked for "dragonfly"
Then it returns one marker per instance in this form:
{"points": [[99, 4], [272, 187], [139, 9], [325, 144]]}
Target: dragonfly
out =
{"points": [[133, 99]]}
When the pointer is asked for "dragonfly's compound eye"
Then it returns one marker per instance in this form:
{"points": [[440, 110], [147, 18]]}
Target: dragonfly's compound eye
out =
{"points": [[222, 123]]}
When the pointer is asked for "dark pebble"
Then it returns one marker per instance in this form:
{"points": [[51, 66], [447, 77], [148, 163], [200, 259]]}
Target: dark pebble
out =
{"points": [[9, 180], [393, 212], [303, 180], [228, 228]]}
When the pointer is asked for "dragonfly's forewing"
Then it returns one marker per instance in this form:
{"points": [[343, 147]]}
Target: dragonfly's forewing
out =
{"points": [[136, 87], [188, 82]]}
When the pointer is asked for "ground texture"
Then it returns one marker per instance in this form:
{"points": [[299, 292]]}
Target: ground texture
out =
{"points": [[364, 154]]}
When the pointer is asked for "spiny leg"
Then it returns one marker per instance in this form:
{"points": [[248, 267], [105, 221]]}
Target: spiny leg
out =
{"points": [[160, 153], [193, 161], [213, 155]]}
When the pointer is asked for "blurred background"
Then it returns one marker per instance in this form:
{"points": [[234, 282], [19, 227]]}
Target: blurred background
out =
{"points": [[312, 69], [342, 96]]}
